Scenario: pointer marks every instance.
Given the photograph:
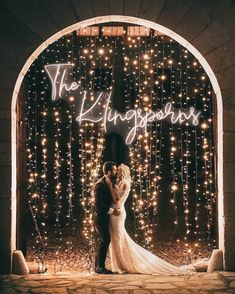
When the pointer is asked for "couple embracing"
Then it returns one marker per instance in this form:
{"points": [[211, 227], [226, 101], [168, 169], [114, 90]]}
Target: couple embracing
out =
{"points": [[111, 193]]}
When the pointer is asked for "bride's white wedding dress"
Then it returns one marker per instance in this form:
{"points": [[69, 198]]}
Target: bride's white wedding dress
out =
{"points": [[126, 255]]}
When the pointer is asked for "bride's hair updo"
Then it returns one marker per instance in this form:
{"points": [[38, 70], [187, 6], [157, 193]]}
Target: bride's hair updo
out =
{"points": [[125, 171]]}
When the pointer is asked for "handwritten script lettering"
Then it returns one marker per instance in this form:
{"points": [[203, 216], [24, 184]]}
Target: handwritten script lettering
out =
{"points": [[99, 108]]}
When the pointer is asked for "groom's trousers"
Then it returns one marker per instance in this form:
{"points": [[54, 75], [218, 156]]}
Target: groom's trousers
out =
{"points": [[102, 228]]}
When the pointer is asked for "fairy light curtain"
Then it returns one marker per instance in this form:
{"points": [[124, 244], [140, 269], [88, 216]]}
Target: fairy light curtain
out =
{"points": [[172, 165]]}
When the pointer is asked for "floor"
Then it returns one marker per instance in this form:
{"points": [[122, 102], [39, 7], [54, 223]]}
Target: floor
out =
{"points": [[69, 282]]}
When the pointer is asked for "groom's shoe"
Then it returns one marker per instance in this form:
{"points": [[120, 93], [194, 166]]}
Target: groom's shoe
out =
{"points": [[103, 271]]}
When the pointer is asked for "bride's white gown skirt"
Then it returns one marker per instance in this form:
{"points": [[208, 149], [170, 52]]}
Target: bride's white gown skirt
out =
{"points": [[128, 257]]}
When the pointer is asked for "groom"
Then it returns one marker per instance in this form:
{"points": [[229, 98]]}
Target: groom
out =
{"points": [[103, 200]]}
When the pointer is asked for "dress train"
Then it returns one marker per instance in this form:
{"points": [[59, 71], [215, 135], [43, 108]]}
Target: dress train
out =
{"points": [[129, 257]]}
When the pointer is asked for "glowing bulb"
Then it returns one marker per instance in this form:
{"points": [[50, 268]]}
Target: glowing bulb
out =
{"points": [[141, 202], [145, 56], [204, 125], [101, 51], [174, 187]]}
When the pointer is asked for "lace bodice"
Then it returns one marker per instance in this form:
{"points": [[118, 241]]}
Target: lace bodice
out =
{"points": [[122, 193]]}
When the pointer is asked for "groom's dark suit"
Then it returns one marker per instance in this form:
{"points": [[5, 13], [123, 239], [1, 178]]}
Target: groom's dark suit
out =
{"points": [[103, 200]]}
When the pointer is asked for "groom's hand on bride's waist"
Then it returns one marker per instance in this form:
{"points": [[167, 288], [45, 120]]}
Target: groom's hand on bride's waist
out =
{"points": [[116, 212]]}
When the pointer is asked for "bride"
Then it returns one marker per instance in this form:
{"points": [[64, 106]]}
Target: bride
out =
{"points": [[126, 255]]}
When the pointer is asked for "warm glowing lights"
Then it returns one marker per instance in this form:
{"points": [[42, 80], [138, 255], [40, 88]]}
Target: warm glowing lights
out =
{"points": [[167, 122], [204, 126], [101, 51], [174, 187], [146, 57]]}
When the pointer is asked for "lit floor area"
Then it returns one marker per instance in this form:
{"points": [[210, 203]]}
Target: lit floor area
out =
{"points": [[64, 282]]}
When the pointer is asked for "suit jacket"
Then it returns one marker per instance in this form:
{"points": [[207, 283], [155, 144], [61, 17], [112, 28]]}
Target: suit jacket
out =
{"points": [[103, 200]]}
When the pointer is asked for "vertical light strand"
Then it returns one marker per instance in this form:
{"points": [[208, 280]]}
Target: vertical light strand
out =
{"points": [[212, 163], [172, 139], [196, 163], [58, 193]]}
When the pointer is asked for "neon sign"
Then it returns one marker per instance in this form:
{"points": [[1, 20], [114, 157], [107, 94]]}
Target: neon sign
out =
{"points": [[99, 109]]}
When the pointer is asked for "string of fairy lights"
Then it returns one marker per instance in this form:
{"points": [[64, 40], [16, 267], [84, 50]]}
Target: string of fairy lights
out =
{"points": [[172, 166]]}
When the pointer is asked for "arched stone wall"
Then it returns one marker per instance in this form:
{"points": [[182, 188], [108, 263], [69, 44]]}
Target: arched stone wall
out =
{"points": [[206, 26]]}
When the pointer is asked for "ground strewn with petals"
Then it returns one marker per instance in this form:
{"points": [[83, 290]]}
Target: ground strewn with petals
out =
{"points": [[72, 282]]}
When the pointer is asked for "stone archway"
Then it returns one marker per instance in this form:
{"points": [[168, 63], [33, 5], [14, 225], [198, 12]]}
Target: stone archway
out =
{"points": [[152, 25]]}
